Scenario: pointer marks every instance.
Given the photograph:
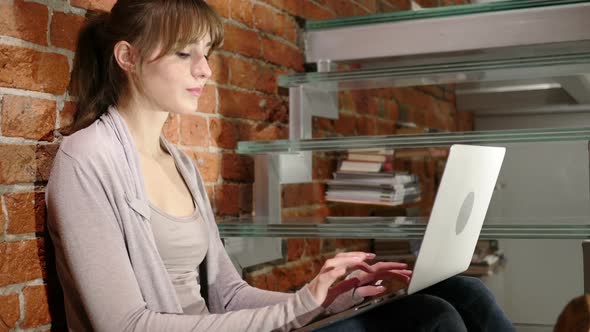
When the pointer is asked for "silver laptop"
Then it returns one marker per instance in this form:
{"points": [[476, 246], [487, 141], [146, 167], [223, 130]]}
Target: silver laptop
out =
{"points": [[454, 225]]}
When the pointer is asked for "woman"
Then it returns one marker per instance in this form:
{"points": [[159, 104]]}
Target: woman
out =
{"points": [[136, 243]]}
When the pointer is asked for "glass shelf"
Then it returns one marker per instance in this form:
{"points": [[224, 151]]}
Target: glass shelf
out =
{"points": [[399, 228], [434, 13], [525, 67], [415, 141]]}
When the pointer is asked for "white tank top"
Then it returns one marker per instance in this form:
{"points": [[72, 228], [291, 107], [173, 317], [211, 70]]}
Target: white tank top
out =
{"points": [[182, 243]]}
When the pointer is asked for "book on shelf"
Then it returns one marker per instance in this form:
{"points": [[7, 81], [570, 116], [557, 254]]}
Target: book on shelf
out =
{"points": [[371, 200], [388, 178], [353, 220], [368, 160], [361, 166], [382, 155]]}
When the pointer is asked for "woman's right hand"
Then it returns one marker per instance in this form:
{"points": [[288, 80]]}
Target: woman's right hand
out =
{"points": [[343, 263]]}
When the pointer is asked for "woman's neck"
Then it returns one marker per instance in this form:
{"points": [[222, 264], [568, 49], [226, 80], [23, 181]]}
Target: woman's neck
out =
{"points": [[145, 124]]}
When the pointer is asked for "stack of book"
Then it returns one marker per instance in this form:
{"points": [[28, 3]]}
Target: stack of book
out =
{"points": [[366, 177]]}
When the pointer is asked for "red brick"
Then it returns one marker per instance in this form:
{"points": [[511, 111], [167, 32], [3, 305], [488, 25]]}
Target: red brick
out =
{"points": [[207, 163], [401, 4], [9, 311], [345, 125], [237, 167], [322, 124], [223, 133], [282, 54], [241, 11], [44, 155], [274, 22], [21, 261], [294, 249], [258, 281], [28, 117], [210, 188], [227, 198], [427, 3], [208, 100], [312, 247], [345, 101], [246, 199], [311, 11], [343, 8], [416, 99], [23, 68], [302, 194], [2, 220], [221, 7], [251, 75], [219, 68], [194, 130], [261, 132], [67, 114], [26, 212], [24, 20], [293, 7], [36, 307], [464, 121], [283, 279], [370, 5], [241, 41], [393, 108], [17, 163], [239, 104], [94, 4], [171, 126], [64, 29], [385, 127], [323, 167]]}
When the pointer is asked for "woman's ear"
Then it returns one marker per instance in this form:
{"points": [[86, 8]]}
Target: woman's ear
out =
{"points": [[124, 55]]}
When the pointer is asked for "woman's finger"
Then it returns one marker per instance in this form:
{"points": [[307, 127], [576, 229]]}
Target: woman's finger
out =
{"points": [[390, 266], [400, 275], [371, 290], [356, 253], [348, 262]]}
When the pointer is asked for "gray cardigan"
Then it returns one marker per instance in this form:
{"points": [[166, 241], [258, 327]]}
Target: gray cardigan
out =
{"points": [[107, 262]]}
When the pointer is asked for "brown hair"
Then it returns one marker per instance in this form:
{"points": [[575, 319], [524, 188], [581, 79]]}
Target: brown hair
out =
{"points": [[98, 81]]}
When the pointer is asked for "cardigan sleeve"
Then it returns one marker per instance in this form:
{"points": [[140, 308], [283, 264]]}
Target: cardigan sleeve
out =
{"points": [[100, 289]]}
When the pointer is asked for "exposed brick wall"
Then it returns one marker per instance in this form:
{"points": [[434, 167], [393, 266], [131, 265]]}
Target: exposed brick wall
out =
{"points": [[263, 40]]}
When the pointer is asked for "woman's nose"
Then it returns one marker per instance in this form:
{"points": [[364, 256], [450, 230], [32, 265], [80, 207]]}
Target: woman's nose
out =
{"points": [[201, 68]]}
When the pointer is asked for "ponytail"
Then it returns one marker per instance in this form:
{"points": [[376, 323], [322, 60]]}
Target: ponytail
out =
{"points": [[96, 79]]}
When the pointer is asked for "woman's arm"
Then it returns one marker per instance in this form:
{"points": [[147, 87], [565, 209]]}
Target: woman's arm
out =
{"points": [[98, 278], [236, 293]]}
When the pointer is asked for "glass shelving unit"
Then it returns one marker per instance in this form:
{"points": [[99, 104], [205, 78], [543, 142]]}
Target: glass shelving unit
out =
{"points": [[426, 13], [415, 141], [398, 228], [518, 41], [552, 64]]}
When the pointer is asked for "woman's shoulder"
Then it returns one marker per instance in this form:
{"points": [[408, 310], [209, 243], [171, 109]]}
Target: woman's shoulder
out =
{"points": [[88, 143]]}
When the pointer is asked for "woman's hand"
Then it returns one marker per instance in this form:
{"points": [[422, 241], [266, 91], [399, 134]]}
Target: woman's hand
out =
{"points": [[343, 263]]}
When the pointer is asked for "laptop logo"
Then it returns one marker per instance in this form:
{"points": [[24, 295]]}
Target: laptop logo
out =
{"points": [[464, 213]]}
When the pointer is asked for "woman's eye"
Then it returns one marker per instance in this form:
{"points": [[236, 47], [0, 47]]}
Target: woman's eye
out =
{"points": [[182, 55]]}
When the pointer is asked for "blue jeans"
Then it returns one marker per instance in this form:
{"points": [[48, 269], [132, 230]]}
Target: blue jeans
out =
{"points": [[457, 304]]}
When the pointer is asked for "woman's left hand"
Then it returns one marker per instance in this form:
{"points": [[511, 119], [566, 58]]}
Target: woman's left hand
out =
{"points": [[364, 280]]}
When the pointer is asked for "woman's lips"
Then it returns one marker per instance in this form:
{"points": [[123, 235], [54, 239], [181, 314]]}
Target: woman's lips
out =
{"points": [[195, 91]]}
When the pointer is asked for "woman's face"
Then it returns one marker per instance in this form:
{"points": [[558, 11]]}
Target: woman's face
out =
{"points": [[175, 82]]}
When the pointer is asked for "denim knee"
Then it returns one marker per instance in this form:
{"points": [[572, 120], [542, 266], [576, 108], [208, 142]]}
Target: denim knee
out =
{"points": [[471, 285], [435, 314]]}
